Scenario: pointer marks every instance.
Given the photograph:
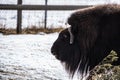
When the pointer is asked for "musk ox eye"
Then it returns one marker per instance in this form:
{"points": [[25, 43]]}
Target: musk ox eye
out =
{"points": [[65, 36]]}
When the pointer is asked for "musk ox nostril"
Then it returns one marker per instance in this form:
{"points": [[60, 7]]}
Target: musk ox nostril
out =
{"points": [[53, 52]]}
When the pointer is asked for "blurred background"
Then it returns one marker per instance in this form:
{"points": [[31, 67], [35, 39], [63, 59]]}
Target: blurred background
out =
{"points": [[36, 18]]}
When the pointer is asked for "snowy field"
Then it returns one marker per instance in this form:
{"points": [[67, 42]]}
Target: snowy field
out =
{"points": [[28, 57]]}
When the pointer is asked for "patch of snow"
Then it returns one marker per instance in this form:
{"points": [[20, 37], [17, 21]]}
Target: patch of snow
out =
{"points": [[28, 57]]}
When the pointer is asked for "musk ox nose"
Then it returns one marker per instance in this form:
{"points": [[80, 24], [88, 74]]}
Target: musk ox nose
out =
{"points": [[53, 50]]}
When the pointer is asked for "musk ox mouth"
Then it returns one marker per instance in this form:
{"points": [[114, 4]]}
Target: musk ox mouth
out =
{"points": [[55, 54], [57, 57]]}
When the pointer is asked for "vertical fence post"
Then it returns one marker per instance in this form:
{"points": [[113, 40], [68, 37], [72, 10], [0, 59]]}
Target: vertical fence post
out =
{"points": [[19, 18], [46, 13]]}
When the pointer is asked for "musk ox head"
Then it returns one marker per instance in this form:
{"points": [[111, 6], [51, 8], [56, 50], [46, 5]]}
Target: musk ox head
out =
{"points": [[94, 32]]}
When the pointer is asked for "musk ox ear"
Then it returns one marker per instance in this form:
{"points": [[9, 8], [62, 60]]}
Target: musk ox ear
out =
{"points": [[71, 35]]}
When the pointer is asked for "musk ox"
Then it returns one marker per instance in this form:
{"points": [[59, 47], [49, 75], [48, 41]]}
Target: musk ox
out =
{"points": [[92, 34]]}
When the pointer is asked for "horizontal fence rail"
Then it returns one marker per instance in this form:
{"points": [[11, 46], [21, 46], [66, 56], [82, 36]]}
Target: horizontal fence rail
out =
{"points": [[41, 7], [19, 7]]}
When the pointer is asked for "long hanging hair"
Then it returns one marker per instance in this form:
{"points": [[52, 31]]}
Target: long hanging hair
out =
{"points": [[92, 35]]}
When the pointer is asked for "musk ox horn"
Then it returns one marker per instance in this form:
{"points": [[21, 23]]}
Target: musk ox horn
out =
{"points": [[71, 35]]}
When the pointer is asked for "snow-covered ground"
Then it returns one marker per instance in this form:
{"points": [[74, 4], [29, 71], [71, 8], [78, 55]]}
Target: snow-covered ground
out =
{"points": [[28, 57]]}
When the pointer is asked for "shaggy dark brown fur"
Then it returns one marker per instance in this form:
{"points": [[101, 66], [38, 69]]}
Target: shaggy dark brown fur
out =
{"points": [[96, 32]]}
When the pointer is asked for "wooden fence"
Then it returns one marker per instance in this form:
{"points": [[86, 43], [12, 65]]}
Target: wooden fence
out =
{"points": [[19, 7]]}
